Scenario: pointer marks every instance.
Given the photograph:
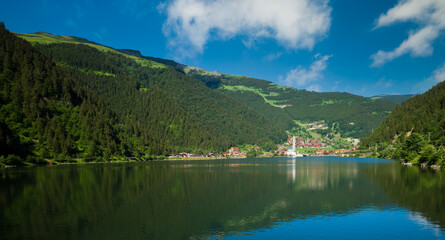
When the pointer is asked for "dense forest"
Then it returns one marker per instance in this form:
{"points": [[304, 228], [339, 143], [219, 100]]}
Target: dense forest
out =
{"points": [[71, 100], [415, 130], [121, 81], [45, 113]]}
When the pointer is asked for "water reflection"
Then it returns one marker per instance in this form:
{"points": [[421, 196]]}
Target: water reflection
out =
{"points": [[420, 190], [219, 198]]}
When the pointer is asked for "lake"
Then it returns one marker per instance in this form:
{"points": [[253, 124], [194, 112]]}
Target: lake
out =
{"points": [[267, 198]]}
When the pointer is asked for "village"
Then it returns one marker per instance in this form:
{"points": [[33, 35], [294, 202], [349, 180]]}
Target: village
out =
{"points": [[303, 147], [314, 143]]}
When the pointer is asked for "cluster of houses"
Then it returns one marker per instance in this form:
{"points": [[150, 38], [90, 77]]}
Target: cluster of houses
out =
{"points": [[314, 126], [313, 143], [234, 152], [338, 151], [189, 155], [281, 149]]}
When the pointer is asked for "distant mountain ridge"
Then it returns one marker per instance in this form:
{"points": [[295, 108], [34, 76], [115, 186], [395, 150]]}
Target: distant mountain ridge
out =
{"points": [[393, 97]]}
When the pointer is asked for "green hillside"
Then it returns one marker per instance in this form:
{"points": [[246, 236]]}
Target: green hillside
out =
{"points": [[44, 113], [42, 38], [356, 116], [127, 83], [415, 130]]}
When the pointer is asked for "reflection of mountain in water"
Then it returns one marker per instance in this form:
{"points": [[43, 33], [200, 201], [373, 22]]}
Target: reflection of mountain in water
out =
{"points": [[181, 199], [420, 190]]}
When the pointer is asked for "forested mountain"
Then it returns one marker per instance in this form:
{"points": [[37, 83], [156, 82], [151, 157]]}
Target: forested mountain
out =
{"points": [[153, 106], [393, 98], [356, 116], [158, 108], [414, 130]]}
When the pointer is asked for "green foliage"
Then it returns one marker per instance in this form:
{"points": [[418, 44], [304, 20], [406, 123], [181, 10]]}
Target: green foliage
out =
{"points": [[269, 146], [414, 143], [429, 154], [12, 160], [252, 153], [424, 116], [43, 111]]}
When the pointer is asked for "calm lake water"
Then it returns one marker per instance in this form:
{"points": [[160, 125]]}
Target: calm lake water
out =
{"points": [[278, 198]]}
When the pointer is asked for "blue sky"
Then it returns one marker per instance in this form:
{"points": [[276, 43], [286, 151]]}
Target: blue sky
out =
{"points": [[365, 47]]}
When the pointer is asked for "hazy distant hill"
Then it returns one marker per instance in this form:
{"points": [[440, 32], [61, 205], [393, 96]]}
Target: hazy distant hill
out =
{"points": [[393, 97]]}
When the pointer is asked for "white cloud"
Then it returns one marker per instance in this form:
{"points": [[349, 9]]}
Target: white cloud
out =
{"points": [[295, 24], [429, 14], [305, 77], [439, 74], [436, 77], [418, 44], [273, 56], [383, 83]]}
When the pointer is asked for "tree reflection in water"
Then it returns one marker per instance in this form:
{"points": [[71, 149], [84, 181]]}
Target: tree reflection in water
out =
{"points": [[178, 200]]}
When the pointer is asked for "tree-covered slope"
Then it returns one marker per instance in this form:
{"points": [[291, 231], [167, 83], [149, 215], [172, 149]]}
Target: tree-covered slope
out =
{"points": [[123, 81], [424, 114], [414, 131], [45, 113]]}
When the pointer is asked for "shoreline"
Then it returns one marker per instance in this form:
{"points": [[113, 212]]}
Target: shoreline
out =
{"points": [[160, 159], [423, 165]]}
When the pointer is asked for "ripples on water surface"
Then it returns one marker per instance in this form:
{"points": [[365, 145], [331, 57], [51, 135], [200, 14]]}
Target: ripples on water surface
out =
{"points": [[312, 198]]}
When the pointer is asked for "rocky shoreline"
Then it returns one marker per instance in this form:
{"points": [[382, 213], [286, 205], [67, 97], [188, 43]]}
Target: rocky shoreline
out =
{"points": [[423, 165]]}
